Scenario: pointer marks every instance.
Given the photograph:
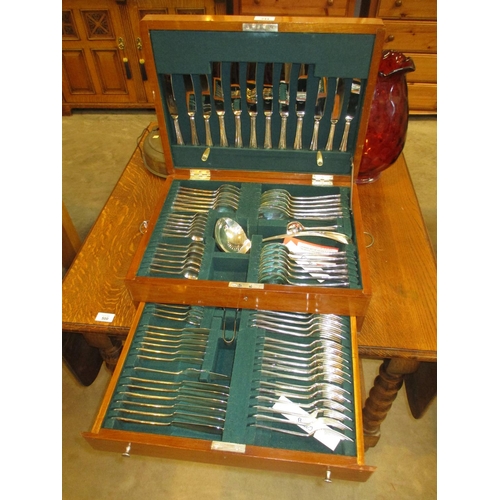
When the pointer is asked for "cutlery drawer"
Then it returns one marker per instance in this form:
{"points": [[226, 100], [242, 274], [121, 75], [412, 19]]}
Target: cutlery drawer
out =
{"points": [[181, 252], [237, 387]]}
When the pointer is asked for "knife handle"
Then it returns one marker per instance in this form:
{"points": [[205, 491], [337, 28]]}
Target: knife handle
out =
{"points": [[298, 133], [267, 138], [238, 141], [253, 131], [314, 140], [329, 142], [343, 142], [208, 134], [282, 142], [178, 134], [223, 136], [194, 135]]}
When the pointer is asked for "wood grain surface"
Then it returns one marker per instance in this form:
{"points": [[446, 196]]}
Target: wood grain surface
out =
{"points": [[94, 282], [402, 316]]}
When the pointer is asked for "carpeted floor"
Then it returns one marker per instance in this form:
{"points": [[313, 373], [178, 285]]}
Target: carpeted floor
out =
{"points": [[96, 147]]}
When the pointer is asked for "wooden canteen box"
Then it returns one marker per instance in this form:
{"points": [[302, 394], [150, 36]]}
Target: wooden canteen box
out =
{"points": [[227, 362]]}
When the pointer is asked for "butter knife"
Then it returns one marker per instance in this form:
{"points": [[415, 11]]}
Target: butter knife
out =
{"points": [[207, 108], [337, 108], [267, 98], [172, 108], [300, 106], [218, 94], [236, 102], [318, 111], [351, 111], [252, 102], [284, 102], [191, 107]]}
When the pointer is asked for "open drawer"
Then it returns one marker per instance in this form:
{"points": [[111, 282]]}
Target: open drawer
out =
{"points": [[257, 389]]}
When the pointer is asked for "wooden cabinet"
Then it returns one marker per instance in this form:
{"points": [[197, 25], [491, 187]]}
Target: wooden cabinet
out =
{"points": [[337, 8], [102, 61], [411, 28]]}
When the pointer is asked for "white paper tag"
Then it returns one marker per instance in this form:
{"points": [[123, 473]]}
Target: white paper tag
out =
{"points": [[263, 18], [307, 422], [105, 317]]}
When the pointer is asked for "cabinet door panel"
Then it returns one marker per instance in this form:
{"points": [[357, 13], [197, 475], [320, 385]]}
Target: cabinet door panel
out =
{"points": [[109, 68], [76, 74]]}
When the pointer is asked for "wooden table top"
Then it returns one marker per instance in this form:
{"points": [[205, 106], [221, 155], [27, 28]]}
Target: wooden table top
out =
{"points": [[401, 319]]}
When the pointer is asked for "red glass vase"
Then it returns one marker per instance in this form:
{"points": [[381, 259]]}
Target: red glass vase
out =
{"points": [[388, 121]]}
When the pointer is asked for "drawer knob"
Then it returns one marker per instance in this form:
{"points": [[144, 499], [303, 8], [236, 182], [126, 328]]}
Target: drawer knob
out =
{"points": [[390, 38], [256, 1], [329, 2], [398, 3], [126, 453]]}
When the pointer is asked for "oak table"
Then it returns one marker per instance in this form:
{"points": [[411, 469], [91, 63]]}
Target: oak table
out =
{"points": [[399, 328]]}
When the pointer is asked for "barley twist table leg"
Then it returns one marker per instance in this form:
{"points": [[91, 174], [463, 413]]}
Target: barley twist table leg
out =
{"points": [[383, 393]]}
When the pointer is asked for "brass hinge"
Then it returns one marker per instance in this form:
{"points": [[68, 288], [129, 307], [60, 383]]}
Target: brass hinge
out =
{"points": [[199, 174], [322, 180]]}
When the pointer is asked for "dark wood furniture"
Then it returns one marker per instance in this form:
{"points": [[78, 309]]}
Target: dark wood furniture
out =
{"points": [[400, 325], [103, 62]]}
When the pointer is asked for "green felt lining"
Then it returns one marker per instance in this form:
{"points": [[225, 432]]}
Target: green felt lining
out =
{"points": [[219, 266], [329, 56], [232, 355]]}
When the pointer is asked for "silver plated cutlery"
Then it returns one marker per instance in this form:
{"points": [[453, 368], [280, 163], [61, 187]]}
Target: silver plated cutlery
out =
{"points": [[351, 112], [172, 108], [207, 108], [338, 101], [218, 94], [318, 111]]}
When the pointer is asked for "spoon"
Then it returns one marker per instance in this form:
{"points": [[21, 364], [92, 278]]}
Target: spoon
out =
{"points": [[294, 227], [231, 237]]}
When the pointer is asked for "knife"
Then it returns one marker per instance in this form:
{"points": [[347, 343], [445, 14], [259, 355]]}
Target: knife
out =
{"points": [[207, 108], [267, 97], [300, 106], [236, 102], [172, 108], [252, 101], [337, 108], [191, 107], [284, 102], [218, 94], [318, 111], [351, 111]]}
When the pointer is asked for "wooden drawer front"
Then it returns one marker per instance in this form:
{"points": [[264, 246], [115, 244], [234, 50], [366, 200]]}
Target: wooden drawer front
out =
{"points": [[407, 9], [425, 68], [422, 98], [199, 383], [336, 8], [411, 36]]}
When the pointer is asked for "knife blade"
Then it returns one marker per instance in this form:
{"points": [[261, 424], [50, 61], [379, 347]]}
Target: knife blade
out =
{"points": [[284, 102], [218, 95], [267, 97], [252, 101], [300, 106], [318, 111], [191, 107], [337, 109], [207, 108], [236, 102], [351, 112], [172, 108]]}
